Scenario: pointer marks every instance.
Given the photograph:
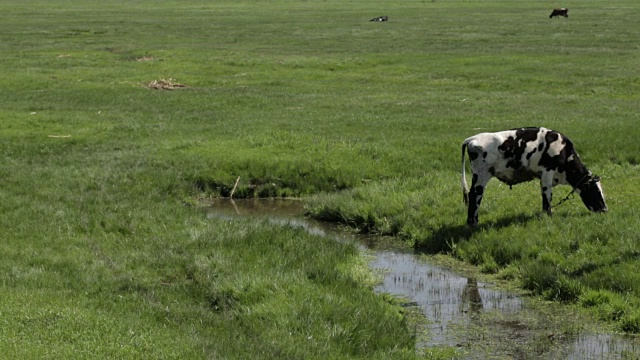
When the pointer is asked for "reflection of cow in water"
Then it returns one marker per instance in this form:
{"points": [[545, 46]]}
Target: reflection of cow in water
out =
{"points": [[471, 295], [380, 18], [559, 12]]}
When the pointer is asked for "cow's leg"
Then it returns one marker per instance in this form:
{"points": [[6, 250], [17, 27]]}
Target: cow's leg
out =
{"points": [[478, 184], [546, 185]]}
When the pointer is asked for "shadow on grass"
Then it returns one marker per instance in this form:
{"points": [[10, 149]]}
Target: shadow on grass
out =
{"points": [[444, 237]]}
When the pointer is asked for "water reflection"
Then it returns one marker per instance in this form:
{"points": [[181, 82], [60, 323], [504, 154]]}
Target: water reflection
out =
{"points": [[605, 346], [449, 301], [446, 298]]}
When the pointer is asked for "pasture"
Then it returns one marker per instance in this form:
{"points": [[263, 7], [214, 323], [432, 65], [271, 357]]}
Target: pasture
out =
{"points": [[105, 252]]}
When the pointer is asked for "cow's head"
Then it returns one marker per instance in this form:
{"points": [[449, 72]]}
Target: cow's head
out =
{"points": [[591, 194]]}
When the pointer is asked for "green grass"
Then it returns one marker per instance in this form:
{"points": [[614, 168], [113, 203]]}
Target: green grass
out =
{"points": [[101, 257]]}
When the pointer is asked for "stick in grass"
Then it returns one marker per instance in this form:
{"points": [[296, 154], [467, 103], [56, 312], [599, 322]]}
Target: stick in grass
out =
{"points": [[234, 188]]}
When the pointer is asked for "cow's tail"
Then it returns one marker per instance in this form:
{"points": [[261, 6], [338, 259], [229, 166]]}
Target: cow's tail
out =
{"points": [[463, 180]]}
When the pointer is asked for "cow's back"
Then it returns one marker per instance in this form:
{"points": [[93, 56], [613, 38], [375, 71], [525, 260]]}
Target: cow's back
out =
{"points": [[512, 156]]}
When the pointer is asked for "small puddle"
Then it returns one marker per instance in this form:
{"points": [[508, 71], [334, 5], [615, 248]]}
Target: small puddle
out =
{"points": [[452, 303]]}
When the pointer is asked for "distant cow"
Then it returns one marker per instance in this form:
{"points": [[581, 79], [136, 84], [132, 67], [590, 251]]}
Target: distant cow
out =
{"points": [[559, 12], [380, 18], [523, 154]]}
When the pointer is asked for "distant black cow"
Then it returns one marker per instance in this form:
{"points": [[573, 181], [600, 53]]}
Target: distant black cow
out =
{"points": [[559, 12], [380, 18], [520, 155]]}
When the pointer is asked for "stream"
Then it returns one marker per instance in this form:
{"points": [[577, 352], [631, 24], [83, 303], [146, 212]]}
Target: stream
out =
{"points": [[479, 319]]}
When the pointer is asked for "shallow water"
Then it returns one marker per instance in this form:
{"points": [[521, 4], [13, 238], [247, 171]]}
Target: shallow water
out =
{"points": [[455, 306], [444, 297]]}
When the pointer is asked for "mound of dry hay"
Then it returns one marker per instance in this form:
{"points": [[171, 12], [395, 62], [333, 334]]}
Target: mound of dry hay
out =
{"points": [[165, 84]]}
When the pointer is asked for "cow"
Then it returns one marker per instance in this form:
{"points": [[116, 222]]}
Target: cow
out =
{"points": [[380, 18], [523, 154], [559, 12]]}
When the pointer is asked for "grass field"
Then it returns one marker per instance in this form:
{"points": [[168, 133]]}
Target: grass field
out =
{"points": [[103, 254]]}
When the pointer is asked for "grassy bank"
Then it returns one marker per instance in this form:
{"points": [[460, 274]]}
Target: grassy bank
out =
{"points": [[101, 257]]}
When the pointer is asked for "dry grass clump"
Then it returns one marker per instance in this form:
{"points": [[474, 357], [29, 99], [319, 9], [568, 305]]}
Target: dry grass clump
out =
{"points": [[165, 84]]}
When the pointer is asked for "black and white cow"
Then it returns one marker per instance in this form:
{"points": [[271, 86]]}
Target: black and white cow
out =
{"points": [[559, 12], [523, 154], [380, 18]]}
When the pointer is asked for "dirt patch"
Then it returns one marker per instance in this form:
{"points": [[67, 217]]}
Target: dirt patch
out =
{"points": [[165, 84]]}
